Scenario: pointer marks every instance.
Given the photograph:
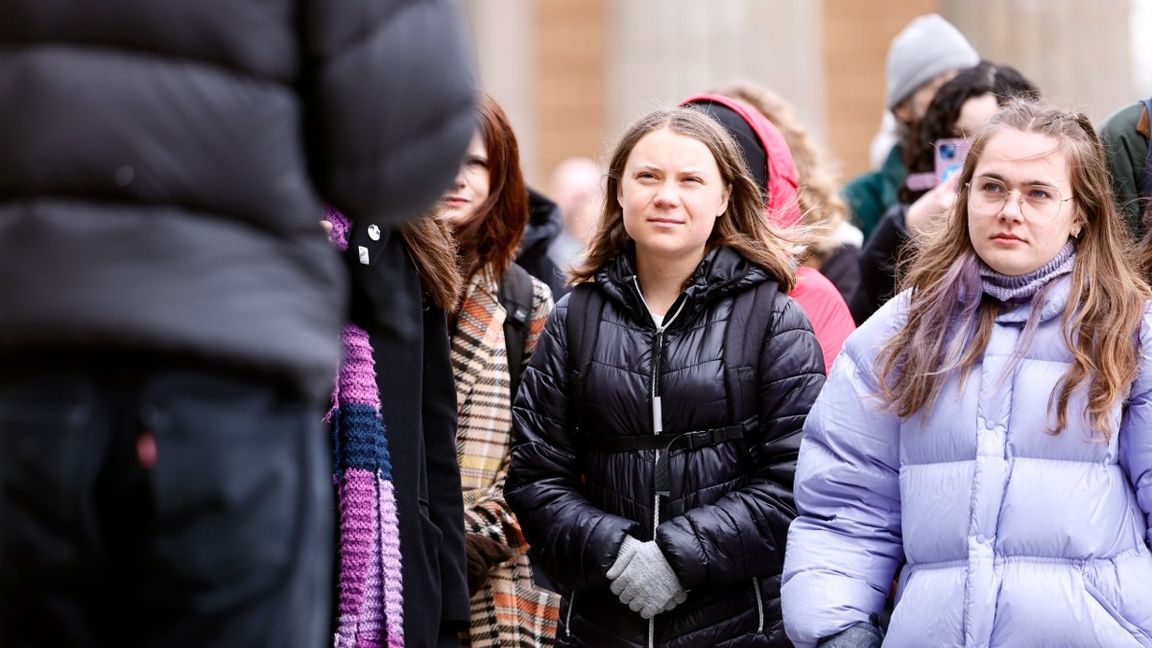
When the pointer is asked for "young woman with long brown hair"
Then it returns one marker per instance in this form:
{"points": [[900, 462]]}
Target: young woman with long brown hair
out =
{"points": [[657, 428], [988, 433]]}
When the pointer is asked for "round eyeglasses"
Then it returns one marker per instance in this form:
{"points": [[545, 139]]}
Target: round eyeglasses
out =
{"points": [[1039, 203]]}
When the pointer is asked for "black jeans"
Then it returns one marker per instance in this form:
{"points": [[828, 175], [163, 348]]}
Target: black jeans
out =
{"points": [[161, 507]]}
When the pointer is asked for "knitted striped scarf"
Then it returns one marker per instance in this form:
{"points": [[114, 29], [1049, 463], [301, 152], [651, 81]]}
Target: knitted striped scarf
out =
{"points": [[370, 609]]}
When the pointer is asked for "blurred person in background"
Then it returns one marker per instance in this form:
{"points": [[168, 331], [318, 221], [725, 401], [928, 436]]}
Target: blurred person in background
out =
{"points": [[765, 153], [171, 308], [1127, 138], [835, 247], [886, 136], [400, 556], [959, 110], [487, 210], [577, 185], [987, 434], [921, 58]]}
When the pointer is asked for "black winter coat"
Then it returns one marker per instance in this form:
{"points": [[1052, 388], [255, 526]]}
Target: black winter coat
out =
{"points": [[878, 264], [163, 166], [418, 406], [724, 526]]}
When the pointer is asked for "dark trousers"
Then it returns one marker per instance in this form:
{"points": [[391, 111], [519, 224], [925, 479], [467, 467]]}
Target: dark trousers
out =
{"points": [[161, 507]]}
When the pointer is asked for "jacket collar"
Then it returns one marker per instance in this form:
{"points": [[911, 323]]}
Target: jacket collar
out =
{"points": [[1052, 299], [722, 272]]}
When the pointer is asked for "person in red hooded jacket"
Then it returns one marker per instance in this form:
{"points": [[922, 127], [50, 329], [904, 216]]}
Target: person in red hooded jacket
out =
{"points": [[767, 155]]}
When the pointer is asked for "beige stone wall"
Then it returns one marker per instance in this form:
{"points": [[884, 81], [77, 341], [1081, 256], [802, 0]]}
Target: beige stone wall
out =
{"points": [[665, 51], [856, 37], [1078, 53], [572, 65], [573, 73], [503, 34], [545, 62]]}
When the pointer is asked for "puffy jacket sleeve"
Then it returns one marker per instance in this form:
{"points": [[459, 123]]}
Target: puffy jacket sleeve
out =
{"points": [[845, 544], [388, 91], [1136, 429], [573, 541], [743, 534]]}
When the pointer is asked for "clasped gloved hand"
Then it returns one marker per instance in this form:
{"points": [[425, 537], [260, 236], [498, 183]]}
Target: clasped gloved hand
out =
{"points": [[483, 554], [643, 580], [858, 635]]}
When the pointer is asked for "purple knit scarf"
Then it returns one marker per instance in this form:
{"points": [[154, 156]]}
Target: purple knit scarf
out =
{"points": [[370, 612]]}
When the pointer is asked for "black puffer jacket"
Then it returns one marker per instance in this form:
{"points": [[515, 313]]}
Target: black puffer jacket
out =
{"points": [[724, 525], [163, 166]]}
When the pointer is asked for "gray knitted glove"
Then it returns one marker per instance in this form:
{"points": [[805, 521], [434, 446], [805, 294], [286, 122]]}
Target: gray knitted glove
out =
{"points": [[858, 635], [643, 580], [676, 600]]}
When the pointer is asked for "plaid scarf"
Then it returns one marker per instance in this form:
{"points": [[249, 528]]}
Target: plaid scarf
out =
{"points": [[370, 612]]}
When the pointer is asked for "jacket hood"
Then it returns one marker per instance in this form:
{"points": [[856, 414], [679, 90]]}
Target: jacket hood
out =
{"points": [[783, 185], [722, 271], [544, 221]]}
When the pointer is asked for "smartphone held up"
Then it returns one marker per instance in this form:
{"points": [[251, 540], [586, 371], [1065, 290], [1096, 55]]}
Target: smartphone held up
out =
{"points": [[949, 158]]}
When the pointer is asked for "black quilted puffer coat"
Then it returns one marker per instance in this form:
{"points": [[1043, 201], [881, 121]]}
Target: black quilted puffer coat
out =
{"points": [[164, 165], [724, 523]]}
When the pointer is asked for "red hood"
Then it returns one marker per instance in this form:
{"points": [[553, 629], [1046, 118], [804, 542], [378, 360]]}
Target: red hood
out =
{"points": [[783, 208]]}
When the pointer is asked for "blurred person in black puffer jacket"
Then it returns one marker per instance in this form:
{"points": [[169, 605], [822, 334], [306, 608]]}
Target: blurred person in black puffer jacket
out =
{"points": [[171, 306]]}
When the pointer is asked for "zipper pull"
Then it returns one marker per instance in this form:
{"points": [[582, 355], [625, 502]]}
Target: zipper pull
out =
{"points": [[657, 415]]}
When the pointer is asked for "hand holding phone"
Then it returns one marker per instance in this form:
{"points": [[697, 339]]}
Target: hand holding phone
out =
{"points": [[931, 209], [949, 157]]}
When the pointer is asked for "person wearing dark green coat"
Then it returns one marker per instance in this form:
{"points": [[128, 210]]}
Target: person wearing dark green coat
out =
{"points": [[1125, 135], [869, 195]]}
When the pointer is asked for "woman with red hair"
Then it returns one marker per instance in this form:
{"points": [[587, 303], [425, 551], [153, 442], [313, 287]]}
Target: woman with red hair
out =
{"points": [[487, 209]]}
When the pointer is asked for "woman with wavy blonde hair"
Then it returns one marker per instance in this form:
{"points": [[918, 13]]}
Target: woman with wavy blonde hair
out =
{"points": [[988, 433], [835, 242]]}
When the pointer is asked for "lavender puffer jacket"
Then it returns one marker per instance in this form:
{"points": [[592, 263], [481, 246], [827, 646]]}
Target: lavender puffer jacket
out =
{"points": [[1011, 536]]}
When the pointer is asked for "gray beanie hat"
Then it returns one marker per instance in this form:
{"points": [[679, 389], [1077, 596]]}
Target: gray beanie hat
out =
{"points": [[928, 46]]}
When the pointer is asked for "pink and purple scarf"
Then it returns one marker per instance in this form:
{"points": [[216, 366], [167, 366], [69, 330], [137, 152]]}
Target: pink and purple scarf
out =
{"points": [[370, 608]]}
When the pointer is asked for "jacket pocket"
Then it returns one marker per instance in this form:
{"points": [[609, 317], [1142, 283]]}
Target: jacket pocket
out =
{"points": [[50, 454], [1117, 614]]}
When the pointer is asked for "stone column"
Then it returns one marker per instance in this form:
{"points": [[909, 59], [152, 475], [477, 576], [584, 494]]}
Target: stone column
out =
{"points": [[662, 51], [1079, 54], [504, 36]]}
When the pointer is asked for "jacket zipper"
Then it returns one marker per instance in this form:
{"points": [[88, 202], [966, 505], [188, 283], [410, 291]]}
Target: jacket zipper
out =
{"points": [[759, 605], [657, 409], [568, 617]]}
